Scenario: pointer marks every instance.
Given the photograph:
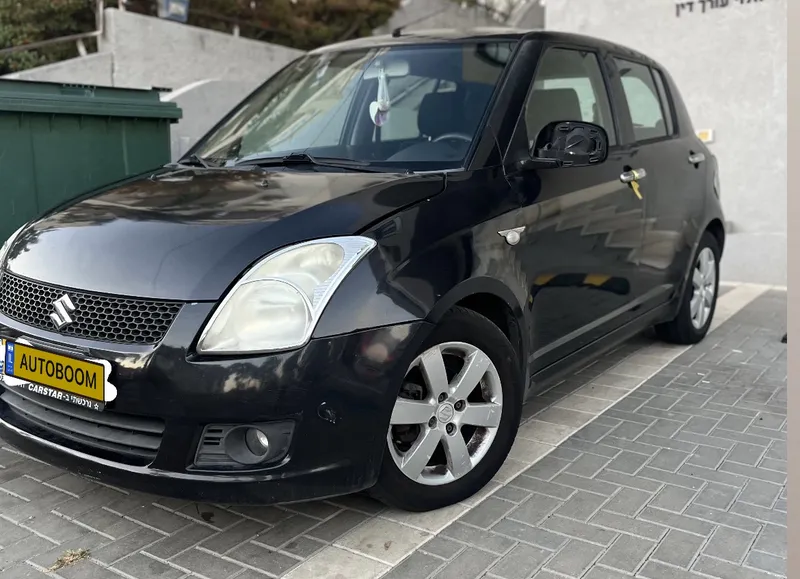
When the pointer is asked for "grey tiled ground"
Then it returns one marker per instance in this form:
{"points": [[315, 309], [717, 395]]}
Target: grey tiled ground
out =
{"points": [[682, 478]]}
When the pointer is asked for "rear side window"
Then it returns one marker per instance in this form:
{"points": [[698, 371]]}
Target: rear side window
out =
{"points": [[569, 86], [643, 100]]}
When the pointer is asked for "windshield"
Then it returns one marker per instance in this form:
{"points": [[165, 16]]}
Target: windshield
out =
{"points": [[415, 108]]}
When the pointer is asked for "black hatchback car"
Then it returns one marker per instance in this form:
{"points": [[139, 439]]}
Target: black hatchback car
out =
{"points": [[358, 276]]}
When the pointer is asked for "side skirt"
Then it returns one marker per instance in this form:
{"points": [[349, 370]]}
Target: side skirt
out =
{"points": [[546, 376]]}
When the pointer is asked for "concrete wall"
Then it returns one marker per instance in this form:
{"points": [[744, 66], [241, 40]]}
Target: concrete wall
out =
{"points": [[730, 65], [448, 14], [152, 52], [436, 14], [95, 69]]}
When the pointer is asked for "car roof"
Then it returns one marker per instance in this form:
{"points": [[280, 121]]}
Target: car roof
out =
{"points": [[459, 35]]}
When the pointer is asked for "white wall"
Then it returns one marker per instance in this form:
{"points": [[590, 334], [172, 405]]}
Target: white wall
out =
{"points": [[95, 69], [153, 52], [730, 65]]}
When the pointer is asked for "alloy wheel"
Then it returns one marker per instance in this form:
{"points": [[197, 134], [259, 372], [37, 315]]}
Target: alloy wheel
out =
{"points": [[704, 288], [447, 414]]}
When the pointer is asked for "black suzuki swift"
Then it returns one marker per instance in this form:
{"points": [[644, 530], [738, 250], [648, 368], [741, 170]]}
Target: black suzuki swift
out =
{"points": [[357, 277]]}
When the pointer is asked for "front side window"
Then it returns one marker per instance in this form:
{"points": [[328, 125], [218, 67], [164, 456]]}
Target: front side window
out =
{"points": [[568, 86], [643, 100], [418, 107]]}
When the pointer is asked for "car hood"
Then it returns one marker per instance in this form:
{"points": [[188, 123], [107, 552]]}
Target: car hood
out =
{"points": [[187, 234]]}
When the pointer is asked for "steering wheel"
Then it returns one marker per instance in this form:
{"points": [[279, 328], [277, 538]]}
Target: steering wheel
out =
{"points": [[446, 136]]}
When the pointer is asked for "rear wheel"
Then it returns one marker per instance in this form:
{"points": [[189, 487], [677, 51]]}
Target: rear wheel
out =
{"points": [[699, 299], [455, 417]]}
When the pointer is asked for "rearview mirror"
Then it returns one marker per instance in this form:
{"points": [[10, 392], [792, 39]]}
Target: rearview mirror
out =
{"points": [[392, 68], [569, 144]]}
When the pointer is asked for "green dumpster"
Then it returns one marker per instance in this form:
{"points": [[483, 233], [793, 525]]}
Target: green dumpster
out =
{"points": [[60, 141]]}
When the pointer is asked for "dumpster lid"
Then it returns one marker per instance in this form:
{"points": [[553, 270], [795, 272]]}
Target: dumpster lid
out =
{"points": [[28, 96]]}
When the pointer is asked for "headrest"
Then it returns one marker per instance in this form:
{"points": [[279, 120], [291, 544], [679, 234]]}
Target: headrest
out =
{"points": [[440, 113], [549, 105]]}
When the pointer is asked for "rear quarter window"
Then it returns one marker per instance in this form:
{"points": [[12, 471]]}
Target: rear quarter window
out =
{"points": [[643, 99], [666, 103]]}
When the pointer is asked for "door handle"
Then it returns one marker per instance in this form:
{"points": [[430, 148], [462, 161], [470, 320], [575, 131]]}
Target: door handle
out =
{"points": [[633, 175], [696, 158]]}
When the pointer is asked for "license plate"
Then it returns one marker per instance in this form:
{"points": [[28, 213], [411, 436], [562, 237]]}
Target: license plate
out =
{"points": [[80, 382]]}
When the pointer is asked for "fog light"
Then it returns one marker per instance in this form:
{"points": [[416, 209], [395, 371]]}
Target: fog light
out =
{"points": [[243, 446], [257, 442]]}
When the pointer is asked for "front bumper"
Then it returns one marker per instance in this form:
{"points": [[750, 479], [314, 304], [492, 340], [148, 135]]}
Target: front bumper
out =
{"points": [[338, 392]]}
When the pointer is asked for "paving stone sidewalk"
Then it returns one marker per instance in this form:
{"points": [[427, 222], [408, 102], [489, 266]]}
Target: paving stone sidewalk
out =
{"points": [[683, 477]]}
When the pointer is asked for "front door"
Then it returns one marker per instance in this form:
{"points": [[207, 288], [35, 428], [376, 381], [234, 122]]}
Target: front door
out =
{"points": [[583, 226]]}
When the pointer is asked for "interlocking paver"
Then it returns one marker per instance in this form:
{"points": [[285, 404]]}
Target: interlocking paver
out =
{"points": [[672, 498], [262, 558], [220, 543], [683, 477], [678, 548], [442, 547], [144, 567], [628, 502], [23, 571], [128, 544], [520, 562], [627, 553], [729, 544], [492, 542], [417, 565], [303, 547], [760, 493], [337, 526], [766, 562], [490, 511], [574, 558], [469, 564], [534, 510], [581, 506], [529, 534]]}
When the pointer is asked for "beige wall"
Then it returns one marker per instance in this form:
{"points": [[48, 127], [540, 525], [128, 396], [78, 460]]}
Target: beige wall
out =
{"points": [[730, 65]]}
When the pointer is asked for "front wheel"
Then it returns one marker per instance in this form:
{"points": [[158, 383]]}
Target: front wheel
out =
{"points": [[455, 417], [699, 299]]}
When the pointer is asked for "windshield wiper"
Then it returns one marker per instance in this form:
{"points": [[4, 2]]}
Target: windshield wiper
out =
{"points": [[196, 160], [306, 159]]}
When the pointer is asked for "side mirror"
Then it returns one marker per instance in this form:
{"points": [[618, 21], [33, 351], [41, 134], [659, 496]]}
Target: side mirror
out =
{"points": [[569, 144]]}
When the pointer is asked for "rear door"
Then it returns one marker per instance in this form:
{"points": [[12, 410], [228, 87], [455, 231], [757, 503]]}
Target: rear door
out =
{"points": [[583, 226], [675, 169]]}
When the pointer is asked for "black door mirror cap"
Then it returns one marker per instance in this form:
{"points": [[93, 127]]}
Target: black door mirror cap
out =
{"points": [[563, 144]]}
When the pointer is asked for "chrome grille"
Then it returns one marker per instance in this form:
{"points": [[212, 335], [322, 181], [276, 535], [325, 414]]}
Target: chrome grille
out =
{"points": [[96, 317]]}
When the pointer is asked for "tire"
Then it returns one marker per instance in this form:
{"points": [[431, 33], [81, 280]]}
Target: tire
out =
{"points": [[487, 446], [684, 329]]}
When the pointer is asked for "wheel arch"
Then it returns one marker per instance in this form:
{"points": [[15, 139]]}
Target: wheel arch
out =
{"points": [[716, 228], [495, 301]]}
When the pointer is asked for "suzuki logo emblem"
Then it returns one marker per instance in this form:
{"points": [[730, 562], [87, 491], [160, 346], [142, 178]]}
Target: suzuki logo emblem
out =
{"points": [[63, 307]]}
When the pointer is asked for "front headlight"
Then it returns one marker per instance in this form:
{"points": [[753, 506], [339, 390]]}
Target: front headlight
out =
{"points": [[278, 302], [6, 247]]}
